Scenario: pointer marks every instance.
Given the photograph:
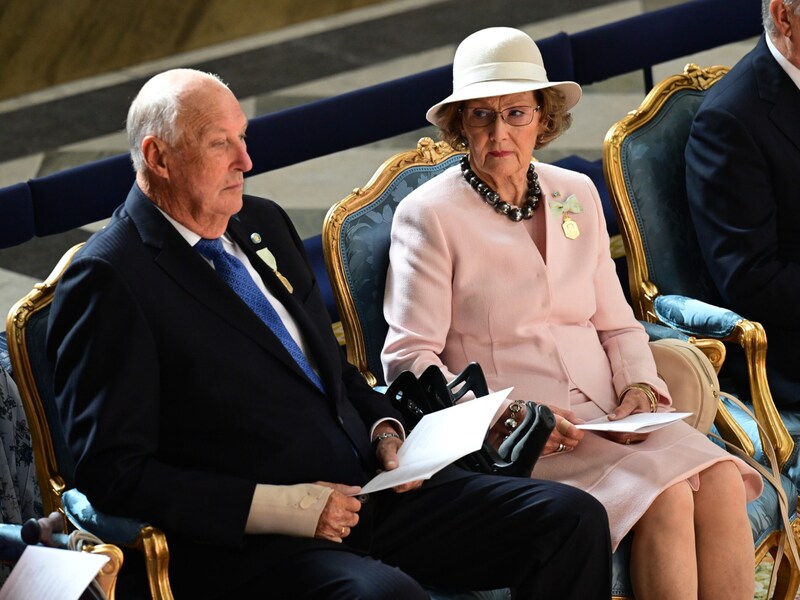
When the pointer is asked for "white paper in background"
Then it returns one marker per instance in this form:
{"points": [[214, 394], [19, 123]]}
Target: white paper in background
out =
{"points": [[636, 423], [44, 573], [440, 438]]}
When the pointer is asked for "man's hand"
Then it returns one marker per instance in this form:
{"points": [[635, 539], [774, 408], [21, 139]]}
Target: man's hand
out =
{"points": [[386, 451], [340, 514]]}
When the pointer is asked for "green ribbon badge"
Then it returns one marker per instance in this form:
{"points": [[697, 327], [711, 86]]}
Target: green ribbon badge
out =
{"points": [[570, 205]]}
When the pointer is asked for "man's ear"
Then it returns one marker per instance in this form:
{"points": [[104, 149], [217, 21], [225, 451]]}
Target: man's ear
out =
{"points": [[155, 157], [780, 16]]}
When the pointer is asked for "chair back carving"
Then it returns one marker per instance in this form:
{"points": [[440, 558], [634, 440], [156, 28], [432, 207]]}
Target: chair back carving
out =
{"points": [[26, 328], [645, 172], [356, 235]]}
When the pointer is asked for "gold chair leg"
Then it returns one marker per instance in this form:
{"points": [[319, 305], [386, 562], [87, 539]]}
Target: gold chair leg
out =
{"points": [[156, 555]]}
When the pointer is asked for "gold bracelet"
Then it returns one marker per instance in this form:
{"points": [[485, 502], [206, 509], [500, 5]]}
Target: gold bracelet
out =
{"points": [[646, 390]]}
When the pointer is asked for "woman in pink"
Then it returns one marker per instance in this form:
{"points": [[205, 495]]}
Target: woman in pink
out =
{"points": [[506, 263]]}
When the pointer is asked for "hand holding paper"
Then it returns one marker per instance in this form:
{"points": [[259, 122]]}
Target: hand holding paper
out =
{"points": [[439, 439], [635, 423]]}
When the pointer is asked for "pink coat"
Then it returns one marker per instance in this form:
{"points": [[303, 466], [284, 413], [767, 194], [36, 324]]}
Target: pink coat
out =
{"points": [[467, 284]]}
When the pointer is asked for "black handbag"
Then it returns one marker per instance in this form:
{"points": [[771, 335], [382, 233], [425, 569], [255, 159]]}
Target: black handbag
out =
{"points": [[415, 397]]}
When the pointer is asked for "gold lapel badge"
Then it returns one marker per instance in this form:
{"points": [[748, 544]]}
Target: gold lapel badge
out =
{"points": [[267, 256]]}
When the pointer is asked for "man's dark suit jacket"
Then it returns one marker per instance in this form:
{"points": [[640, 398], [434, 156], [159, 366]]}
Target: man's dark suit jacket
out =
{"points": [[743, 185], [177, 399]]}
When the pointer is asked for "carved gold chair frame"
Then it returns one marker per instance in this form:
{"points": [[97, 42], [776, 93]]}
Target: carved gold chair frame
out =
{"points": [[151, 541]]}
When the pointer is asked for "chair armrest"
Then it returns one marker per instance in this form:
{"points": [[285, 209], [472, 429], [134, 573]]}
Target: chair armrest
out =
{"points": [[694, 317], [111, 529], [701, 319], [124, 531]]}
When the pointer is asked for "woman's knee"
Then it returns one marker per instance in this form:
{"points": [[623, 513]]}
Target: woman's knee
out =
{"points": [[722, 482], [723, 473], [671, 509]]}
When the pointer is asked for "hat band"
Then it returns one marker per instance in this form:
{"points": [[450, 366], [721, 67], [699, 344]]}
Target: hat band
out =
{"points": [[501, 70]]}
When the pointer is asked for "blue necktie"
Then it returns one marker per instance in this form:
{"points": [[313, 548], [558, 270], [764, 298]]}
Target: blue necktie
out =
{"points": [[235, 274]]}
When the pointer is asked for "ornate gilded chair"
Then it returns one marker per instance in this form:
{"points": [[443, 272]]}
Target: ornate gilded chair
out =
{"points": [[26, 327], [643, 157]]}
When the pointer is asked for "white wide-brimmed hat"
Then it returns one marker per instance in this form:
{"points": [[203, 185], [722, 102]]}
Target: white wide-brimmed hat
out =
{"points": [[499, 61]]}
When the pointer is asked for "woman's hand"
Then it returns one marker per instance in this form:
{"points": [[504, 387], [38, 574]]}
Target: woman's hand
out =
{"points": [[340, 514], [565, 436], [634, 400]]}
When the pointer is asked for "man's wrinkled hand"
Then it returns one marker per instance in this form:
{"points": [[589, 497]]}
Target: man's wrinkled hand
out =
{"points": [[340, 514], [386, 451]]}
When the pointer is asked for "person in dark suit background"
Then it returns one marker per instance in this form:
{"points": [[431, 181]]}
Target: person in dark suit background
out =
{"points": [[184, 407], [742, 162]]}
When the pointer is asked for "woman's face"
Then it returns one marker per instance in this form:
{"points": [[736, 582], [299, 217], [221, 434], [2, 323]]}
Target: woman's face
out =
{"points": [[499, 150]]}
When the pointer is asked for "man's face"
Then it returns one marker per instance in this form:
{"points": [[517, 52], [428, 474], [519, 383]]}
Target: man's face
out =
{"points": [[206, 166]]}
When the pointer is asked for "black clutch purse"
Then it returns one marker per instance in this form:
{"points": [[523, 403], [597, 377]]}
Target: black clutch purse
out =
{"points": [[415, 397]]}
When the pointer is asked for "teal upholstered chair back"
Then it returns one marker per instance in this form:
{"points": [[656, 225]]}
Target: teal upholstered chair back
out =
{"points": [[356, 246], [643, 159]]}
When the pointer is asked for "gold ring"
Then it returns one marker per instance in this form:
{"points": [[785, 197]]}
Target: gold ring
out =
{"points": [[342, 533], [561, 447], [628, 442]]}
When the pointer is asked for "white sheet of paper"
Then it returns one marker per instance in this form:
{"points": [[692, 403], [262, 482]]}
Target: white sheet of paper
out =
{"points": [[51, 574], [439, 439], [636, 423]]}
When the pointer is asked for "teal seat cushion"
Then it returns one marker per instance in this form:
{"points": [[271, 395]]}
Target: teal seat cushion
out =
{"points": [[792, 420]]}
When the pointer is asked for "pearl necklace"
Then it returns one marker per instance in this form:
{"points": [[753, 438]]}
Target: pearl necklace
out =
{"points": [[492, 198]]}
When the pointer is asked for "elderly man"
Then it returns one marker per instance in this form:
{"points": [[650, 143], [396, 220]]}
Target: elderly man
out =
{"points": [[742, 161], [202, 389]]}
